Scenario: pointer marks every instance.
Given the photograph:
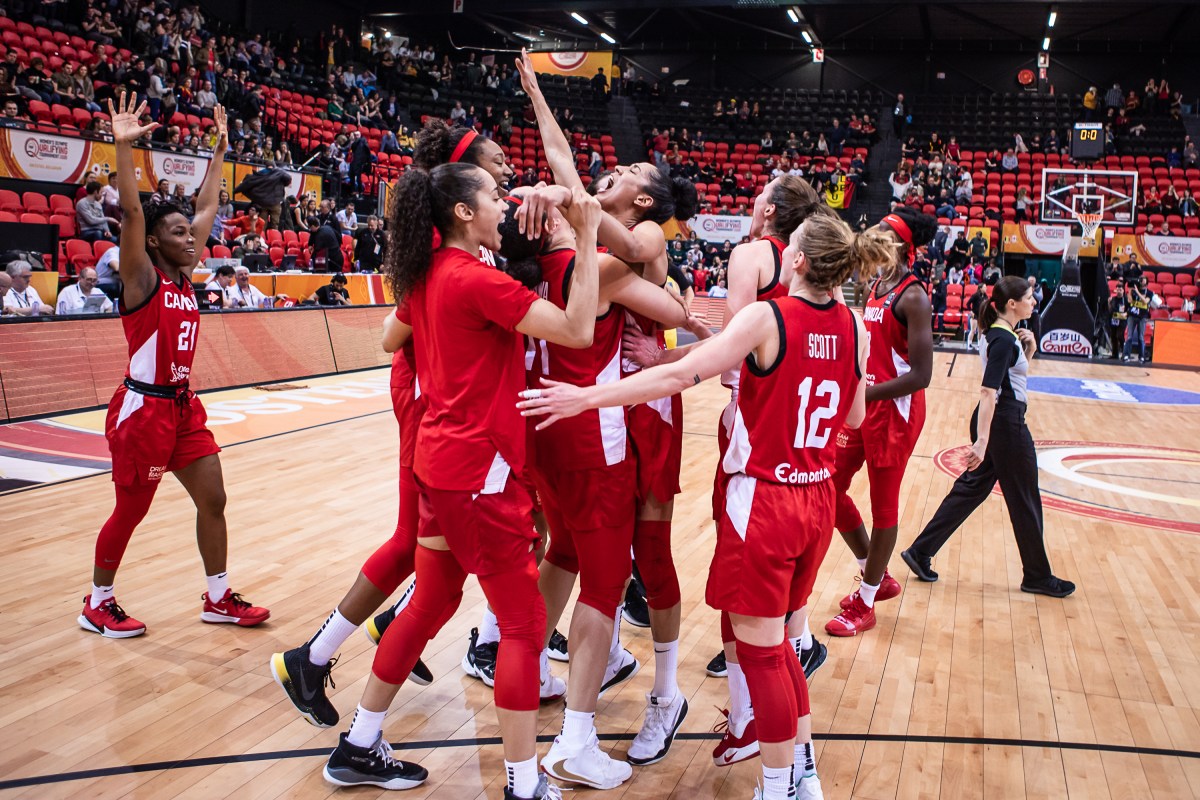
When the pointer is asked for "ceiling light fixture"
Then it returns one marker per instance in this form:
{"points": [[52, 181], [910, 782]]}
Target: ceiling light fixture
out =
{"points": [[1053, 19], [792, 15], [608, 38], [1046, 43], [807, 37], [579, 18]]}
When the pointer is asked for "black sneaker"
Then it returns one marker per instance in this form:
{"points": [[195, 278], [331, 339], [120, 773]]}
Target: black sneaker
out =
{"points": [[921, 565], [812, 658], [480, 660], [717, 668], [350, 765], [545, 791], [375, 627], [557, 649], [1052, 587], [635, 610], [305, 684]]}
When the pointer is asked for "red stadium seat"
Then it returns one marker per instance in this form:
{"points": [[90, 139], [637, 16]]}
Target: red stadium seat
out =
{"points": [[29, 218], [100, 246], [10, 201], [79, 255], [61, 204], [35, 202], [65, 223]]}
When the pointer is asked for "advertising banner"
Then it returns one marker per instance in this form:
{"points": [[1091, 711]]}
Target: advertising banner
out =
{"points": [[35, 156], [1042, 240], [577, 64], [1157, 251], [720, 227], [1067, 323], [156, 165]]}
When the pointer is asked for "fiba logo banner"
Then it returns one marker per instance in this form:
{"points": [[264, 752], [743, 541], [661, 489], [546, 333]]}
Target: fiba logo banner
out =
{"points": [[574, 63], [568, 62], [1158, 251], [1065, 343], [720, 227], [187, 170]]}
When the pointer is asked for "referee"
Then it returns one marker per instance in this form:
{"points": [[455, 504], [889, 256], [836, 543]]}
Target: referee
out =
{"points": [[1003, 448]]}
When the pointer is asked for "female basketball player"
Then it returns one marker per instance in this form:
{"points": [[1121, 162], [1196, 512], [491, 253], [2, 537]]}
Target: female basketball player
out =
{"points": [[637, 200], [155, 422], [898, 316], [475, 516], [586, 484], [802, 360], [1003, 448], [303, 671]]}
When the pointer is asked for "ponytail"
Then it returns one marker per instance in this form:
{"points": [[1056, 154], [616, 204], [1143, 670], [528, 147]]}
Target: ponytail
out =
{"points": [[420, 202], [674, 197], [795, 200], [834, 251], [1010, 287], [437, 143]]}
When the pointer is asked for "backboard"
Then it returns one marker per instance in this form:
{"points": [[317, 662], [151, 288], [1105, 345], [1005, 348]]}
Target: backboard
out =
{"points": [[1076, 196]]}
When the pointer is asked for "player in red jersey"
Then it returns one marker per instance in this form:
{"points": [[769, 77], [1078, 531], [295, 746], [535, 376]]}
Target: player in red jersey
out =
{"points": [[803, 358], [155, 422], [898, 317], [302, 671], [474, 514], [637, 199], [585, 479]]}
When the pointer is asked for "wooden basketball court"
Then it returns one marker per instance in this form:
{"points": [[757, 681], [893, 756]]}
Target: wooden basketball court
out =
{"points": [[967, 688]]}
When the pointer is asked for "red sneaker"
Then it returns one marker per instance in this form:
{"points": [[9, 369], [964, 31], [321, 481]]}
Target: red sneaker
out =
{"points": [[853, 620], [109, 620], [889, 587], [233, 608], [732, 749]]}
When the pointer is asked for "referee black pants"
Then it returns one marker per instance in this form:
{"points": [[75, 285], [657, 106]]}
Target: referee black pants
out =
{"points": [[1010, 459]]}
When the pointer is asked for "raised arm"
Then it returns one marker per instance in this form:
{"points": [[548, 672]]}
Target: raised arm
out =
{"points": [[742, 278], [210, 190], [558, 150], [623, 285], [137, 271]]}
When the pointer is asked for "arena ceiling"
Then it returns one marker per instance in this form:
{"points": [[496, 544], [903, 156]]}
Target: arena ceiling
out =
{"points": [[693, 25]]}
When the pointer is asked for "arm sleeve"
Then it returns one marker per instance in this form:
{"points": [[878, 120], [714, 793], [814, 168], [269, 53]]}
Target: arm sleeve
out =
{"points": [[499, 298], [404, 313], [680, 277], [1001, 355]]}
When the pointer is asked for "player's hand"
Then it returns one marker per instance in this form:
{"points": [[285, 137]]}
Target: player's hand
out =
{"points": [[536, 204], [222, 129], [975, 456], [554, 401], [529, 82], [125, 119], [1028, 342], [584, 212], [697, 327], [639, 348]]}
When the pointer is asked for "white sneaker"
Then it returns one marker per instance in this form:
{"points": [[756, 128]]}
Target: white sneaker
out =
{"points": [[663, 718], [619, 671], [589, 765], [551, 688], [809, 788]]}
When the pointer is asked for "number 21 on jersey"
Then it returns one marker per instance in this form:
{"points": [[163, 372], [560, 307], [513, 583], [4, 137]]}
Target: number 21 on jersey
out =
{"points": [[811, 429], [187, 335]]}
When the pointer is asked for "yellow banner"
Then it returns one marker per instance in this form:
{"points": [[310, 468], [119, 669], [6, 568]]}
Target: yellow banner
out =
{"points": [[577, 64]]}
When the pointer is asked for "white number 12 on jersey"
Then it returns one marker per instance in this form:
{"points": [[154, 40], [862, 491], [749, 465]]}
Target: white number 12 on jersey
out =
{"points": [[808, 429]]}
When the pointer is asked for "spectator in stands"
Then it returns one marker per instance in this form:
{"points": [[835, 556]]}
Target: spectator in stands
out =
{"points": [[90, 218], [219, 284], [1189, 205], [244, 294], [1151, 203], [965, 187], [938, 299], [600, 86], [347, 220], [837, 136], [937, 248], [360, 160], [1137, 302], [1190, 155], [1114, 98], [1021, 204], [954, 276], [206, 98], [1008, 162], [325, 246], [1164, 229], [899, 116], [5, 287], [979, 247], [369, 245], [73, 299], [957, 257], [251, 244], [266, 189], [22, 299], [13, 118], [766, 142], [249, 222], [719, 290], [1091, 104], [108, 268], [333, 293], [901, 182]]}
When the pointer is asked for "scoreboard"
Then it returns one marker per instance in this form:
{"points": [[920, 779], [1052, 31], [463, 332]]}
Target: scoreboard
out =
{"points": [[1087, 141]]}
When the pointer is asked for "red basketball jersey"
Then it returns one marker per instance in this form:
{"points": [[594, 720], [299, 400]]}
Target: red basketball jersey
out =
{"points": [[161, 333], [788, 413], [470, 361], [774, 288], [594, 438], [891, 425]]}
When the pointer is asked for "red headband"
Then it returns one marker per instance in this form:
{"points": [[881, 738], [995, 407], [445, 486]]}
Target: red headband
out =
{"points": [[904, 232], [462, 146]]}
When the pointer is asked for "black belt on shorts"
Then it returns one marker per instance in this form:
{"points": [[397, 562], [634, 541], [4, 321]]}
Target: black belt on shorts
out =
{"points": [[177, 392]]}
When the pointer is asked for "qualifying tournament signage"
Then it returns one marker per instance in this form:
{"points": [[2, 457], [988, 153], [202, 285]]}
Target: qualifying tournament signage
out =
{"points": [[721, 227], [35, 156], [579, 64], [1158, 251], [177, 168], [1067, 322], [1043, 240]]}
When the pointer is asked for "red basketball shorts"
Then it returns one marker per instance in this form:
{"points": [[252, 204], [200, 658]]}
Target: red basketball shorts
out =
{"points": [[487, 533], [771, 540], [151, 436], [656, 435], [850, 454], [721, 479]]}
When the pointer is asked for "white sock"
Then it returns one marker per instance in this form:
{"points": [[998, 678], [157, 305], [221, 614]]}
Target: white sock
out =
{"points": [[101, 595], [577, 727], [404, 598], [218, 585], [867, 592], [666, 656], [795, 643], [806, 764], [365, 727], [806, 640], [862, 564], [614, 649], [522, 776], [777, 783], [740, 712], [334, 631], [489, 628]]}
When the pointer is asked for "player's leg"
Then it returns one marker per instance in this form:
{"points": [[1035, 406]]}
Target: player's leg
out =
{"points": [[765, 657], [101, 613]]}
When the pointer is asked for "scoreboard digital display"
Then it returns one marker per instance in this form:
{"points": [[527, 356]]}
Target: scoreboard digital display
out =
{"points": [[1087, 141]]}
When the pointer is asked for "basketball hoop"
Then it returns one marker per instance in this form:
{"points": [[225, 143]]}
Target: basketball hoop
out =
{"points": [[1089, 223]]}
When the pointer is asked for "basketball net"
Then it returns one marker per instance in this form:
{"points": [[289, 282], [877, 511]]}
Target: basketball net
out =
{"points": [[1089, 223]]}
